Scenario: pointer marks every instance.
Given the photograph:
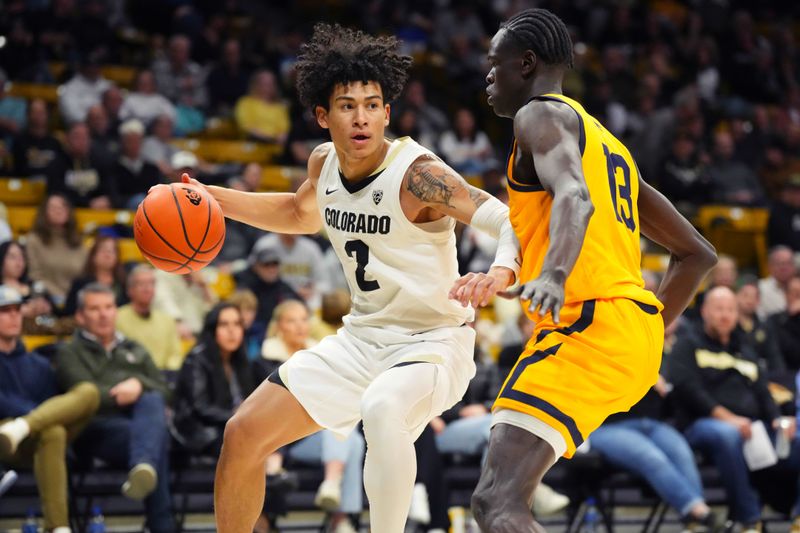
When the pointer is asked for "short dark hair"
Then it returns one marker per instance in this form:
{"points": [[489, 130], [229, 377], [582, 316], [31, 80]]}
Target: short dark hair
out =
{"points": [[543, 32], [93, 288], [337, 55]]}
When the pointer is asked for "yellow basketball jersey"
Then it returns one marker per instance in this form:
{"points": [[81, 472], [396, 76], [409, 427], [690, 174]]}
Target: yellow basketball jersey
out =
{"points": [[609, 262]]}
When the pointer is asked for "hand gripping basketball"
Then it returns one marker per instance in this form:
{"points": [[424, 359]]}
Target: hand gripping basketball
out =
{"points": [[179, 227]]}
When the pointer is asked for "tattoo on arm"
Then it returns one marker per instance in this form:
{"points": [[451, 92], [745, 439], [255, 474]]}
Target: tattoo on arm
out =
{"points": [[430, 184], [477, 196]]}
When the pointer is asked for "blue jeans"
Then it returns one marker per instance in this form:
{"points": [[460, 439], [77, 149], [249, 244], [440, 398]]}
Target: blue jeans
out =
{"points": [[323, 447], [723, 443], [469, 436], [658, 453], [138, 436]]}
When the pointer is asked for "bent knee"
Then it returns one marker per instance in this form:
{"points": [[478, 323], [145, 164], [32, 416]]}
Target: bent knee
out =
{"points": [[244, 436], [53, 434], [89, 395]]}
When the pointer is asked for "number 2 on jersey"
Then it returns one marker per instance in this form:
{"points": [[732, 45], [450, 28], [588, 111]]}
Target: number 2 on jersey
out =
{"points": [[361, 252], [614, 162]]}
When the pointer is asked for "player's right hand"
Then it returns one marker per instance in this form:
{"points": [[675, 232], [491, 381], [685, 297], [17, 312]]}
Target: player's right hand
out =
{"points": [[545, 294]]}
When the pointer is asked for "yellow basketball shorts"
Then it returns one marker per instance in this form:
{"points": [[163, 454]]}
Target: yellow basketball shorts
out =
{"points": [[573, 377]]}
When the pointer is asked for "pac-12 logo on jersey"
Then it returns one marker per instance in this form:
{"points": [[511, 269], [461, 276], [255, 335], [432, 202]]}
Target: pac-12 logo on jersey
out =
{"points": [[377, 196]]}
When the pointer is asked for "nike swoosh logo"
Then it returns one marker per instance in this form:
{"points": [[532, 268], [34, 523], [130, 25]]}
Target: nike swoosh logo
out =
{"points": [[517, 261], [328, 191]]}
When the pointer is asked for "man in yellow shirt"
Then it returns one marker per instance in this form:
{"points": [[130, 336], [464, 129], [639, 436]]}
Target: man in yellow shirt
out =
{"points": [[261, 114], [152, 328]]}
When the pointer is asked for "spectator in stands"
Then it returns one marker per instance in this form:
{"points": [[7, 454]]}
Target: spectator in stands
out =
{"points": [[14, 274], [773, 288], [12, 112], [144, 103], [682, 177], [152, 328], [431, 121], [466, 148], [784, 217], [156, 148], [84, 90], [34, 147], [247, 303], [732, 182], [178, 77], [36, 423], [640, 442], [341, 490], [102, 266], [186, 298], [305, 135], [759, 333], [79, 175], [261, 114], [131, 175], [213, 381], [335, 306], [227, 81], [778, 167], [130, 430], [55, 253], [300, 264], [112, 103], [787, 325], [105, 143], [720, 392], [5, 229]]}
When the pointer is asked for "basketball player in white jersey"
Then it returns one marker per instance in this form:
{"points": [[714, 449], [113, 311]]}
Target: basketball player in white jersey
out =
{"points": [[404, 354]]}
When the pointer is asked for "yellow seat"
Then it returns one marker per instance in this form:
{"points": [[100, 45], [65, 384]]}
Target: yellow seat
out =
{"points": [[129, 251], [90, 219], [32, 342], [222, 283], [737, 231], [21, 219], [279, 178], [655, 262], [220, 128], [120, 74], [15, 191], [222, 151], [29, 91]]}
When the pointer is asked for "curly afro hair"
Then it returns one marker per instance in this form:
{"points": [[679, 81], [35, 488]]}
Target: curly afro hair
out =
{"points": [[337, 55]]}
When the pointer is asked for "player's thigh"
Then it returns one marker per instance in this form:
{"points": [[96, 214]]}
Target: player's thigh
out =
{"points": [[409, 395], [269, 418]]}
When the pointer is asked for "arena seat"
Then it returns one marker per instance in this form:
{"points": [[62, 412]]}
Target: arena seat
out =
{"points": [[20, 219], [220, 128], [120, 74], [222, 151], [16, 191], [280, 178], [655, 262], [91, 219], [129, 252], [737, 231], [29, 91], [32, 342]]}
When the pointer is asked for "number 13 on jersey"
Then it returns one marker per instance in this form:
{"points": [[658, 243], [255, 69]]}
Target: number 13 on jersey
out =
{"points": [[620, 189]]}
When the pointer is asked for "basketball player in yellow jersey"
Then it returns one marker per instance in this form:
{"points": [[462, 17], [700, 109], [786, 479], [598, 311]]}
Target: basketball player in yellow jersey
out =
{"points": [[575, 200]]}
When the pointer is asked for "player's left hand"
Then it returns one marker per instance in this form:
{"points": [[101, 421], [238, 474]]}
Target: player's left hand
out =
{"points": [[545, 293], [479, 288]]}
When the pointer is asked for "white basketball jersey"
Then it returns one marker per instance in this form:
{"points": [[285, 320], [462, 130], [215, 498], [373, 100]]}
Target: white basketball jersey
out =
{"points": [[399, 272]]}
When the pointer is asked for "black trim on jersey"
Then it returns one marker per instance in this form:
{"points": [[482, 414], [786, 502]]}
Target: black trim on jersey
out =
{"points": [[407, 363], [647, 308], [275, 378], [520, 187], [583, 322], [582, 134], [359, 185]]}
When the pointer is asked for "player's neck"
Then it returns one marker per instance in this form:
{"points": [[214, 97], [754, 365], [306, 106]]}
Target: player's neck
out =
{"points": [[355, 169], [546, 84]]}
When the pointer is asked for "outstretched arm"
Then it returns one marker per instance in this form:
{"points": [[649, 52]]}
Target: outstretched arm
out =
{"points": [[278, 212], [431, 184], [550, 133], [691, 256]]}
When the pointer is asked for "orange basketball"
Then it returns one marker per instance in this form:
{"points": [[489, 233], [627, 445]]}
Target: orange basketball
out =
{"points": [[179, 228]]}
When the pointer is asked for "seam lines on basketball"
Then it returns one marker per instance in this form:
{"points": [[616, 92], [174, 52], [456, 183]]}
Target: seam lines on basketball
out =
{"points": [[183, 226], [165, 241], [154, 256]]}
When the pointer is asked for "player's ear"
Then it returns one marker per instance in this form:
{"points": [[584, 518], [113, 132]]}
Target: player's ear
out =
{"points": [[529, 61], [388, 110], [322, 116]]}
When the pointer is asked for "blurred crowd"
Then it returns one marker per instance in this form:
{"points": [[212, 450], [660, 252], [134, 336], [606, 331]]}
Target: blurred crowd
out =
{"points": [[706, 94]]}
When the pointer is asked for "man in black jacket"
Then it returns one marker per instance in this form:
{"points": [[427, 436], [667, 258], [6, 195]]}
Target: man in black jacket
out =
{"points": [[720, 393], [787, 326]]}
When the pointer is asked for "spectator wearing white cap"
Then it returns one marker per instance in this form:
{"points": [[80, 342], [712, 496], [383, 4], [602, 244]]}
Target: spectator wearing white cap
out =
{"points": [[144, 103], [131, 175]]}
